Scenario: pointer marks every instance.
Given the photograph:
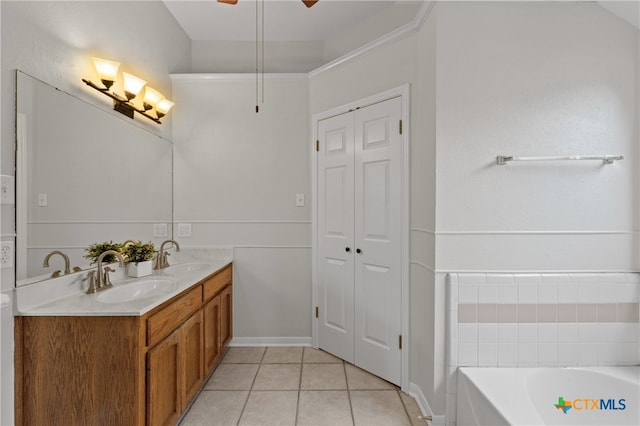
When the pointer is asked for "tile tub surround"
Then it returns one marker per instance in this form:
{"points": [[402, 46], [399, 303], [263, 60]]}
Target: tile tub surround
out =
{"points": [[297, 386], [540, 320]]}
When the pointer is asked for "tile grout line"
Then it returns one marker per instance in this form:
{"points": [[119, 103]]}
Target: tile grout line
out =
{"points": [[246, 401], [299, 387], [344, 367], [406, 410]]}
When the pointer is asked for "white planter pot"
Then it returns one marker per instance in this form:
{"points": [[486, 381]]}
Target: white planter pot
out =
{"points": [[142, 269]]}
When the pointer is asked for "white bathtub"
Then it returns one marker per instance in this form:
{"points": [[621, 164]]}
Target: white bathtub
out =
{"points": [[529, 396]]}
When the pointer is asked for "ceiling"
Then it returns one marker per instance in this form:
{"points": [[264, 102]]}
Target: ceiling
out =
{"points": [[291, 20], [285, 20]]}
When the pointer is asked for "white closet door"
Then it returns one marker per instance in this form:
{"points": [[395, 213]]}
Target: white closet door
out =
{"points": [[378, 239], [359, 226], [335, 236]]}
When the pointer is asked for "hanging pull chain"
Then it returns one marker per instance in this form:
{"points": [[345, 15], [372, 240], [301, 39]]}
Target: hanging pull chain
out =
{"points": [[257, 90], [262, 51]]}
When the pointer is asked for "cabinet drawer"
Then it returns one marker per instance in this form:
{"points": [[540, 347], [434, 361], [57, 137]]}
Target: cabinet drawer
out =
{"points": [[216, 283], [169, 318]]}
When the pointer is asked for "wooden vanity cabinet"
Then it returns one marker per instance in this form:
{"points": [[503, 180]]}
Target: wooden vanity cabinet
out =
{"points": [[163, 381], [134, 371], [217, 316], [226, 316], [212, 347]]}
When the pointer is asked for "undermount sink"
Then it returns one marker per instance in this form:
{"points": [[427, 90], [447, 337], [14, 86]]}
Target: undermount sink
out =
{"points": [[183, 268], [136, 290]]}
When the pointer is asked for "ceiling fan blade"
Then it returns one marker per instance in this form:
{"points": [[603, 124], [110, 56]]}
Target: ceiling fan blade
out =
{"points": [[228, 1], [309, 3]]}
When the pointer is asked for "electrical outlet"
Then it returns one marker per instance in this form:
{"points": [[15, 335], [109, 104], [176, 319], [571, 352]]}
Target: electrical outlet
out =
{"points": [[160, 230], [6, 254], [184, 230]]}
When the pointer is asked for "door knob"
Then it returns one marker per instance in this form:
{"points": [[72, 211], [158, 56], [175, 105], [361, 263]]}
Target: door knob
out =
{"points": [[358, 251], [347, 249]]}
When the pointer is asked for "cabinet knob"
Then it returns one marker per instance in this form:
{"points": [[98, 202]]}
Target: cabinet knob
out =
{"points": [[347, 249], [358, 251]]}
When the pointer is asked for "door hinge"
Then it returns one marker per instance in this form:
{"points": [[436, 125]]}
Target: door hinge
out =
{"points": [[317, 145], [400, 342], [317, 312], [400, 126]]}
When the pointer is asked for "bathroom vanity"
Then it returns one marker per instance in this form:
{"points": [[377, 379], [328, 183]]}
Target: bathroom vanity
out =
{"points": [[83, 362]]}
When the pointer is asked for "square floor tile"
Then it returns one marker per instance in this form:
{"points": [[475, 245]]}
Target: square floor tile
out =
{"points": [[363, 380], [270, 408], [243, 356], [323, 377], [232, 377], [312, 355], [413, 409], [282, 355], [278, 377], [216, 408], [378, 407], [324, 408]]}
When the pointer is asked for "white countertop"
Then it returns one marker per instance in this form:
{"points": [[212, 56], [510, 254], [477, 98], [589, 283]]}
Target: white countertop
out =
{"points": [[65, 296]]}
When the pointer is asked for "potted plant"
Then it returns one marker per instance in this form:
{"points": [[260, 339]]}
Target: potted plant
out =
{"points": [[95, 250], [139, 258]]}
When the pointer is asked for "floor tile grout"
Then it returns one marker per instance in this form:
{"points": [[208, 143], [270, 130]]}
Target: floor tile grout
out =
{"points": [[349, 390]]}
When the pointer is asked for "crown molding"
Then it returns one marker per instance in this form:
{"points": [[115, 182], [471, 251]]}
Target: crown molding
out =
{"points": [[237, 76], [392, 37]]}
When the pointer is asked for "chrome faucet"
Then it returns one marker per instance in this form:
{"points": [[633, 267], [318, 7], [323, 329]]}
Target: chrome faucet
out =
{"points": [[56, 274], [99, 280], [161, 259]]}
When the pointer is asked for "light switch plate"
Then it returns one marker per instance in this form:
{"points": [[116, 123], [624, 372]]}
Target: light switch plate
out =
{"points": [[300, 200], [8, 190], [184, 230], [43, 200]]}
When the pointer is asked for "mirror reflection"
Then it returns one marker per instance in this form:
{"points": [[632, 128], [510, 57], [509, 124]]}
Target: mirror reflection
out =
{"points": [[84, 175]]}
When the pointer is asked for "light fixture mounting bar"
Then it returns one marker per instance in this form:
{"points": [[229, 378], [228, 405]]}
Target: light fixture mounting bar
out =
{"points": [[122, 105]]}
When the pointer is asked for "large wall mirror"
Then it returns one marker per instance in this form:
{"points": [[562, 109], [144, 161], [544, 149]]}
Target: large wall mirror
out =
{"points": [[84, 175]]}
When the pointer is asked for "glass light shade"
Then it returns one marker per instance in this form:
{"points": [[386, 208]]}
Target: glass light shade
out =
{"points": [[132, 85], [107, 70], [151, 98], [163, 107]]}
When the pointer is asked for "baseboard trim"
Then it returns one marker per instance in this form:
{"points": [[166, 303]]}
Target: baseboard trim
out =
{"points": [[415, 391], [270, 341]]}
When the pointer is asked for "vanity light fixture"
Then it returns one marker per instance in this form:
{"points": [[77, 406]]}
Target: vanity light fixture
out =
{"points": [[152, 100]]}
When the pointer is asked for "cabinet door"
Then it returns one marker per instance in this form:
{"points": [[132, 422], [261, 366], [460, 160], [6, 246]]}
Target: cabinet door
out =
{"points": [[191, 357], [163, 382], [226, 316], [212, 346]]}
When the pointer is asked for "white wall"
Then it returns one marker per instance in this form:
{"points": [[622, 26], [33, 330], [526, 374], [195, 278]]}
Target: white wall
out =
{"points": [[236, 176], [239, 56], [525, 79], [410, 60], [54, 41]]}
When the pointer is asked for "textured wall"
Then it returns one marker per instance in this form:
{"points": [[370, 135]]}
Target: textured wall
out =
{"points": [[236, 176], [54, 41], [528, 79]]}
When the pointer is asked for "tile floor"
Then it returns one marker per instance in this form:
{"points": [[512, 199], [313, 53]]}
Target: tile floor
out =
{"points": [[297, 386]]}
